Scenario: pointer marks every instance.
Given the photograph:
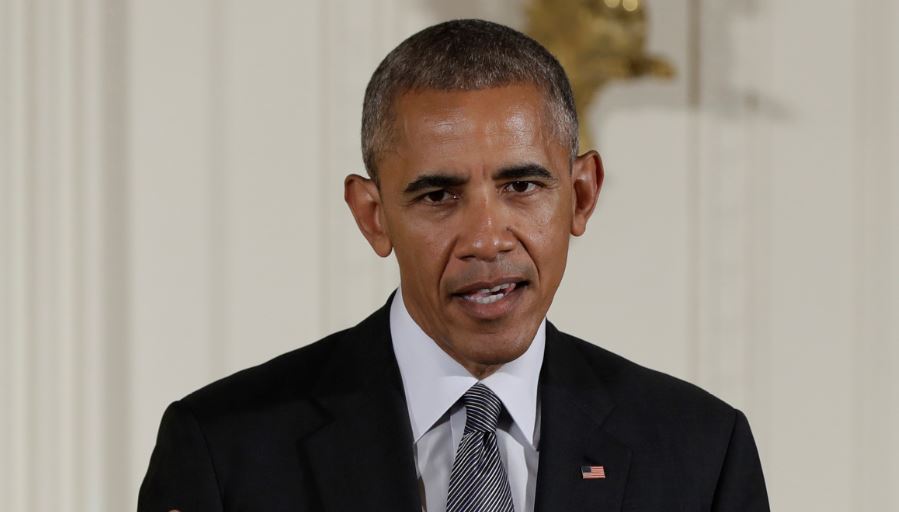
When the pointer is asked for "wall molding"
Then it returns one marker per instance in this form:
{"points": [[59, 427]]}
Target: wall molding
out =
{"points": [[874, 467], [63, 311]]}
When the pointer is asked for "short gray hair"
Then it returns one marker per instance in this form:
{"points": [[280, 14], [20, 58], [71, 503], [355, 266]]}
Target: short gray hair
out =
{"points": [[463, 55]]}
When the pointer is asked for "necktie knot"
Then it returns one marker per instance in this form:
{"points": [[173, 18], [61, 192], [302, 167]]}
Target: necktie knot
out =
{"points": [[482, 409]]}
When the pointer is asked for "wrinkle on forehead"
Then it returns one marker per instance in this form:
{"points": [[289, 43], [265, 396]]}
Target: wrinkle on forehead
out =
{"points": [[446, 124], [457, 126], [515, 124], [521, 127]]}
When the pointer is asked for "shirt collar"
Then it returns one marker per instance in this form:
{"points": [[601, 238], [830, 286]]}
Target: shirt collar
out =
{"points": [[433, 381]]}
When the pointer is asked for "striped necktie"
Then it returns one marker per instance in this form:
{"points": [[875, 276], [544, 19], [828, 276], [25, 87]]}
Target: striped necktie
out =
{"points": [[478, 481]]}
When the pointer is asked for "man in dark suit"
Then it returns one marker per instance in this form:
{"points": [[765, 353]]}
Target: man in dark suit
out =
{"points": [[458, 394]]}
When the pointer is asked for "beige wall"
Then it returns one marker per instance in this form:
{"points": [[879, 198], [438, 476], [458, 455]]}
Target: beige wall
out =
{"points": [[171, 211]]}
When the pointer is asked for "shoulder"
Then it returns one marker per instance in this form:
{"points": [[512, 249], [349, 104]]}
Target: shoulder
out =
{"points": [[286, 376], [670, 426], [291, 378], [286, 386], [653, 397], [687, 447]]}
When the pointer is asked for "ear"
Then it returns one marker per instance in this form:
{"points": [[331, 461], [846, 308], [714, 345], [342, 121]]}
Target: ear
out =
{"points": [[586, 181], [364, 199]]}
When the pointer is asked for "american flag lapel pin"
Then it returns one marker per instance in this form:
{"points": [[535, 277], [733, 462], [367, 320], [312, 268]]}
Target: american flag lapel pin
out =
{"points": [[591, 472]]}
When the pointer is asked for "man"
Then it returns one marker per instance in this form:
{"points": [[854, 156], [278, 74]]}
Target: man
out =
{"points": [[457, 394]]}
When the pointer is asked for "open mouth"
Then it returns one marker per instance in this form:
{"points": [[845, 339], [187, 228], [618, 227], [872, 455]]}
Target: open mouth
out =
{"points": [[491, 295]]}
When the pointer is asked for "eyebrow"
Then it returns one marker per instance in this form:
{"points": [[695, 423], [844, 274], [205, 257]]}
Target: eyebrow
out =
{"points": [[519, 172], [437, 180], [445, 180]]}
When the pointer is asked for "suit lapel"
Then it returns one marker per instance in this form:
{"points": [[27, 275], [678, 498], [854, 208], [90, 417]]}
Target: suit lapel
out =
{"points": [[360, 449], [574, 405], [361, 454]]}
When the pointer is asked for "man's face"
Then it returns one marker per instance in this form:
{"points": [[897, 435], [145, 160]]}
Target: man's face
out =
{"points": [[478, 202]]}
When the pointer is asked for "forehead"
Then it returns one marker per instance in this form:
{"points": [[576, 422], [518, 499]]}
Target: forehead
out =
{"points": [[452, 129]]}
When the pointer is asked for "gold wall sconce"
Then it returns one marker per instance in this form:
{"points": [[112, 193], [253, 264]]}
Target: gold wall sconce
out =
{"points": [[597, 41]]}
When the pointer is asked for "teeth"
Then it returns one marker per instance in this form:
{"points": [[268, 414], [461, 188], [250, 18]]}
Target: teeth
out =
{"points": [[490, 299], [495, 288], [489, 295]]}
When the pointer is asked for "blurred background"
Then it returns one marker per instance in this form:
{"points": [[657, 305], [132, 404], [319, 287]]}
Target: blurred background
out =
{"points": [[171, 211]]}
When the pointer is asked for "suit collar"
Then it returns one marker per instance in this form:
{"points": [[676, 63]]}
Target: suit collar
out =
{"points": [[360, 447], [575, 403], [360, 450], [433, 381]]}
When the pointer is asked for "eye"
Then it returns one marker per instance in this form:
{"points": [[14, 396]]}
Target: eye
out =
{"points": [[522, 187], [438, 196]]}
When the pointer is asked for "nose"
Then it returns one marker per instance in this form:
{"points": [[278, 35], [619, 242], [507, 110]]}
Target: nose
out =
{"points": [[485, 229]]}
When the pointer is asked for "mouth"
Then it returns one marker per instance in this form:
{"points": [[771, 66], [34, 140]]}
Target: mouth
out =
{"points": [[490, 300]]}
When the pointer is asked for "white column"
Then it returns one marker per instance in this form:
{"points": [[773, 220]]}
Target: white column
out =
{"points": [[875, 338], [62, 252], [797, 236]]}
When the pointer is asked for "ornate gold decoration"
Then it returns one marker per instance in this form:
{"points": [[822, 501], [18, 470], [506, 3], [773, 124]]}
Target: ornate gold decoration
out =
{"points": [[596, 41]]}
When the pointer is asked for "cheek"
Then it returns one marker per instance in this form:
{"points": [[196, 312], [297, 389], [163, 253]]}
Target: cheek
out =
{"points": [[422, 251], [544, 232], [548, 221]]}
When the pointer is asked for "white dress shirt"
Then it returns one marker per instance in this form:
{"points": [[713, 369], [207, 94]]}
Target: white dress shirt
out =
{"points": [[434, 382]]}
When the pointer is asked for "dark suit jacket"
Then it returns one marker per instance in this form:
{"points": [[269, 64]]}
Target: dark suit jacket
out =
{"points": [[325, 427]]}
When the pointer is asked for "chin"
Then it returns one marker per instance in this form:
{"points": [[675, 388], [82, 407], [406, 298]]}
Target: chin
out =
{"points": [[509, 350]]}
